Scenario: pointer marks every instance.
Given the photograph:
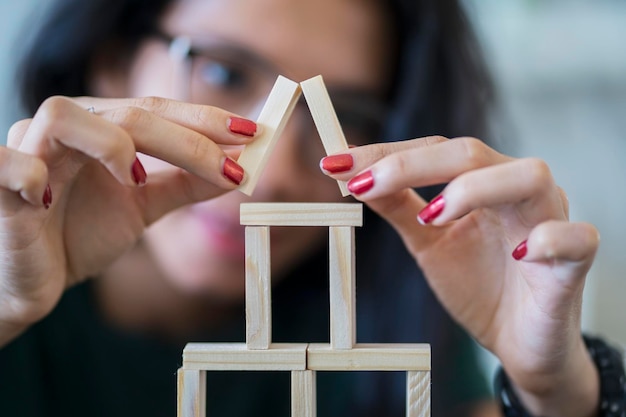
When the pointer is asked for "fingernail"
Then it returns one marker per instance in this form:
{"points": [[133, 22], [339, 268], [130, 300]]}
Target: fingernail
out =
{"points": [[47, 197], [337, 163], [361, 183], [520, 251], [431, 211], [139, 173], [233, 171], [242, 126]]}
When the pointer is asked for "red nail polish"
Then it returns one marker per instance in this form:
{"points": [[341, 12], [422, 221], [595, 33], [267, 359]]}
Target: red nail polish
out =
{"points": [[47, 197], [337, 163], [242, 126], [520, 251], [139, 173], [432, 210], [361, 183], [233, 171]]}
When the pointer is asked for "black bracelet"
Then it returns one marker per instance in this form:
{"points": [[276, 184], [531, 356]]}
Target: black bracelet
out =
{"points": [[610, 364]]}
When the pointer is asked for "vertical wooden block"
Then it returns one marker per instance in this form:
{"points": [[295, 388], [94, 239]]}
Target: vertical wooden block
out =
{"points": [[258, 288], [273, 118], [325, 119], [303, 394], [191, 393], [418, 394], [342, 288]]}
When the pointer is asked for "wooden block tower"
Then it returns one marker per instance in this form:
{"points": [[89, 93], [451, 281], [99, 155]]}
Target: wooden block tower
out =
{"points": [[303, 360]]}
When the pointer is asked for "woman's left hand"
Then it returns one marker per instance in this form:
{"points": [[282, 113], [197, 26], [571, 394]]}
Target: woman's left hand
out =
{"points": [[499, 252]]}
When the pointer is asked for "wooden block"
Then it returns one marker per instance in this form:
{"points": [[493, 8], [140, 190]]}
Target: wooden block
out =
{"points": [[369, 357], [273, 118], [325, 119], [236, 357], [418, 394], [303, 394], [191, 393], [342, 288], [258, 288], [301, 214]]}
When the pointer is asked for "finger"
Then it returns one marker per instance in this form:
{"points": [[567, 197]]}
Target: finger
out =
{"points": [[345, 165], [525, 183], [221, 126], [172, 188], [423, 166], [177, 145], [23, 175], [60, 127], [562, 241]]}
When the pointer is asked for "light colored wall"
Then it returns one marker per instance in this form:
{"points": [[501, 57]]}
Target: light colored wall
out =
{"points": [[13, 17], [561, 67]]}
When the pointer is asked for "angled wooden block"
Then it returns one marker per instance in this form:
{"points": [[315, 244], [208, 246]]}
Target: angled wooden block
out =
{"points": [[303, 394], [370, 357], [325, 119], [191, 400], [258, 288], [301, 214], [273, 118], [418, 394], [342, 287], [237, 357]]}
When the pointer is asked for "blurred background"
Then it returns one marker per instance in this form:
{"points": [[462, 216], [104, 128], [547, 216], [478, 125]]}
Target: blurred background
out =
{"points": [[561, 69]]}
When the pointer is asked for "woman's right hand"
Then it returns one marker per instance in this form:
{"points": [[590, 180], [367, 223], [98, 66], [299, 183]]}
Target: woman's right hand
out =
{"points": [[83, 167]]}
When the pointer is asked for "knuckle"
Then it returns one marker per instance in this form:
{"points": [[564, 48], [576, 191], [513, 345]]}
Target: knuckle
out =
{"points": [[434, 140], [152, 103], [475, 151], [128, 117], [538, 172], [54, 111]]}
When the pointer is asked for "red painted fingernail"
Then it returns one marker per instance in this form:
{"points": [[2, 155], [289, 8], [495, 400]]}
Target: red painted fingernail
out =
{"points": [[139, 173], [47, 197], [233, 171], [337, 163], [242, 126], [361, 183], [520, 251], [432, 210]]}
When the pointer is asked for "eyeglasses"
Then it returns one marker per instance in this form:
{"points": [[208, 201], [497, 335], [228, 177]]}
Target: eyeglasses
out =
{"points": [[225, 75]]}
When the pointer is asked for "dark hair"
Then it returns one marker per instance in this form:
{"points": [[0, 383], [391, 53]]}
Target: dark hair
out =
{"points": [[441, 85]]}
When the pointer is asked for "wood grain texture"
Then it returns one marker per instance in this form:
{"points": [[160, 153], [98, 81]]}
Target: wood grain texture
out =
{"points": [[325, 118], [258, 288], [272, 120], [369, 357], [301, 214], [418, 394], [342, 287], [303, 394], [237, 357], [191, 393]]}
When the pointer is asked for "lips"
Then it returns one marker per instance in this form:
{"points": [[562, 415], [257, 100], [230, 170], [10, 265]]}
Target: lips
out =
{"points": [[223, 235]]}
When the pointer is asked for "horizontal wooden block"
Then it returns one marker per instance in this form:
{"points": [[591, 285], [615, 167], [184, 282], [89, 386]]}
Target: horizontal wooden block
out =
{"points": [[369, 357], [301, 214], [236, 357]]}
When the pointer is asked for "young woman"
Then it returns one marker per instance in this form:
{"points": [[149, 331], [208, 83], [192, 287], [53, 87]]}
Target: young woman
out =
{"points": [[155, 243]]}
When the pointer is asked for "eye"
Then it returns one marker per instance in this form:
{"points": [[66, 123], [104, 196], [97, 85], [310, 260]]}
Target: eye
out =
{"points": [[222, 75]]}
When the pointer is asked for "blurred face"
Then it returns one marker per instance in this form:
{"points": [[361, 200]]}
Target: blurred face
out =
{"points": [[238, 49]]}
